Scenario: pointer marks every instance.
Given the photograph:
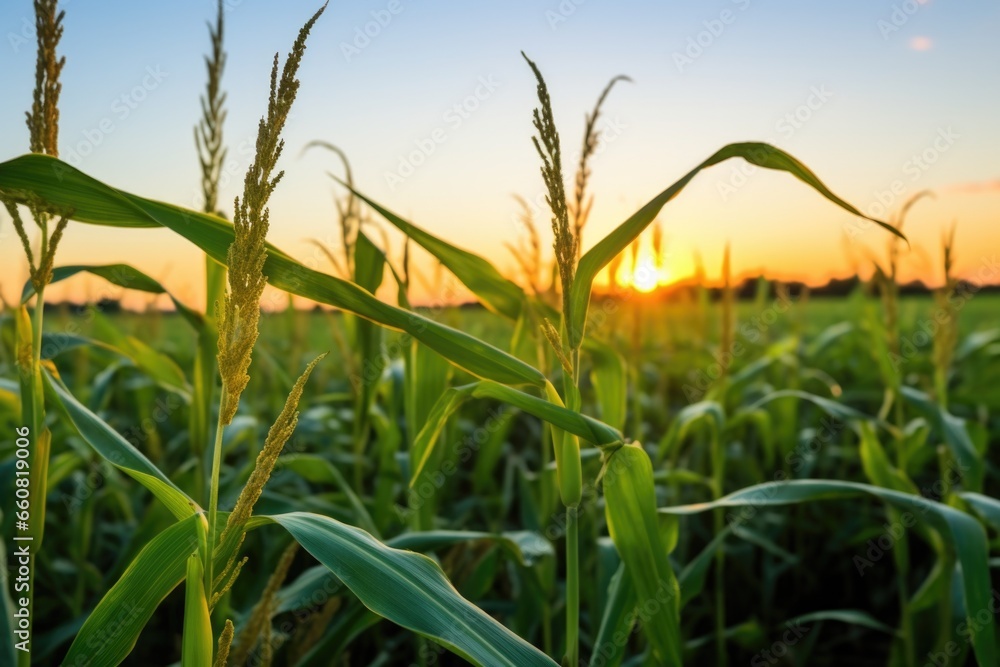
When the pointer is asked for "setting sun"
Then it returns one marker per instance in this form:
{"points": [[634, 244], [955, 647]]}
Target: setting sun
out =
{"points": [[646, 268]]}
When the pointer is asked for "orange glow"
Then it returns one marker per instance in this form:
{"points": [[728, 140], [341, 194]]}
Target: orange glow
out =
{"points": [[644, 271]]}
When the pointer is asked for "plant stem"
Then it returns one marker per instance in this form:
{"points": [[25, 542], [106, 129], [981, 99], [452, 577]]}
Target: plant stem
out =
{"points": [[39, 459], [572, 586], [213, 501]]}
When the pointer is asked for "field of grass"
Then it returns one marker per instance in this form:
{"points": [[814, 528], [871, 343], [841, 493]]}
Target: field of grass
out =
{"points": [[553, 476]]}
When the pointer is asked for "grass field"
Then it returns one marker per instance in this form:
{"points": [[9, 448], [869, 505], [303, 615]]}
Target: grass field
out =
{"points": [[820, 562], [557, 474]]}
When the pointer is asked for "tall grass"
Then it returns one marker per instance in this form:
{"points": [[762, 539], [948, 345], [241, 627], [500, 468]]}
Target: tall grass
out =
{"points": [[474, 437]]}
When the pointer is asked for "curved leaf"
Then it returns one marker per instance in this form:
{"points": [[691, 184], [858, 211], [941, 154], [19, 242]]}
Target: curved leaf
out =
{"points": [[497, 293], [110, 632], [122, 275], [85, 199], [559, 416], [952, 430], [410, 590], [595, 259], [118, 451], [962, 531], [711, 412]]}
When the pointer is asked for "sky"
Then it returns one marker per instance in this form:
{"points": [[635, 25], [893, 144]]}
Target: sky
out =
{"points": [[432, 102]]}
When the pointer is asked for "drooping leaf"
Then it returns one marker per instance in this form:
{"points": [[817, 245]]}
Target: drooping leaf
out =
{"points": [[595, 259], [410, 590], [110, 632], [66, 189], [965, 535], [122, 275], [118, 451]]}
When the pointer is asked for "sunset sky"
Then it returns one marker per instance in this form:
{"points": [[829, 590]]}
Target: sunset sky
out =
{"points": [[872, 95]]}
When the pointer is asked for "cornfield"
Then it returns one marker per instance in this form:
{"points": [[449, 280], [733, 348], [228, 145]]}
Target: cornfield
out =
{"points": [[560, 474]]}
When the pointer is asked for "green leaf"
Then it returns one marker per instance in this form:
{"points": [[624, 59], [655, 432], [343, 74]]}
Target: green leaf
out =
{"points": [[595, 259], [609, 375], [122, 275], [952, 429], [568, 420], [497, 293], [526, 546], [196, 642], [849, 616], [410, 590], [630, 506], [692, 577], [319, 470], [709, 412], [876, 464], [66, 189], [617, 620], [118, 451], [369, 269], [962, 532], [153, 363], [831, 407], [986, 507], [110, 632]]}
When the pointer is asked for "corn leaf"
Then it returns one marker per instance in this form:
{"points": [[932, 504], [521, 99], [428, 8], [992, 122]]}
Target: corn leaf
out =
{"points": [[630, 506], [66, 189], [497, 293], [580, 425], [962, 532], [595, 259], [410, 590], [118, 451], [110, 632], [122, 275], [196, 642], [609, 375], [952, 430]]}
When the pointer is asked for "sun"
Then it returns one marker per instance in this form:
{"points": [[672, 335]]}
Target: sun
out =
{"points": [[644, 275]]}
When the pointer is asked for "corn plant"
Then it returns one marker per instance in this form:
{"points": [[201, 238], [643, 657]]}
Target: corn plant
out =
{"points": [[422, 535]]}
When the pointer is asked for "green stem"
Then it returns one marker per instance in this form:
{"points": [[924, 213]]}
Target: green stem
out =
{"points": [[718, 473], [902, 553], [572, 586], [213, 501], [39, 459]]}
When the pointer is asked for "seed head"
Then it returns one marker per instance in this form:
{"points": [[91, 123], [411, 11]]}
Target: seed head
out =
{"points": [[248, 252], [279, 434]]}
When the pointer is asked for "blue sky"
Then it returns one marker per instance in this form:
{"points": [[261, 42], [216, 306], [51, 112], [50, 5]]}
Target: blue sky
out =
{"points": [[873, 83]]}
